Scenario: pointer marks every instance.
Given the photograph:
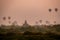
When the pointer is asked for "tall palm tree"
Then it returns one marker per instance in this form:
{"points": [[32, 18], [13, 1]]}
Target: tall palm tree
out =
{"points": [[4, 19], [47, 22]]}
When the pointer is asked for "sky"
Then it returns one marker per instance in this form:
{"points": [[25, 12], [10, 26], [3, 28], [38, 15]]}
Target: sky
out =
{"points": [[30, 10]]}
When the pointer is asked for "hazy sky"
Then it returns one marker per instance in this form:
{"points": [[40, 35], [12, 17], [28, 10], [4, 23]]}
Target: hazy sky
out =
{"points": [[30, 10]]}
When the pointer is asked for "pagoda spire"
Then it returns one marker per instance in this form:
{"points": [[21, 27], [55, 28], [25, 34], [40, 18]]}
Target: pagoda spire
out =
{"points": [[25, 23]]}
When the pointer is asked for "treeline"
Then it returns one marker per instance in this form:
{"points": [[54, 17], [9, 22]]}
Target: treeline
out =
{"points": [[30, 32], [29, 36]]}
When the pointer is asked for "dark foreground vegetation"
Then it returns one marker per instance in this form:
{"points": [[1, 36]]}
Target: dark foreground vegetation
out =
{"points": [[30, 33], [29, 36]]}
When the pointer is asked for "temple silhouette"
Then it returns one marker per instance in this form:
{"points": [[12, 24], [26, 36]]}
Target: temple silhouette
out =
{"points": [[26, 24]]}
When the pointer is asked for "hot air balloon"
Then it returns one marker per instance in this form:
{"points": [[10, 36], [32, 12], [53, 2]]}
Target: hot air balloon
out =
{"points": [[56, 9], [54, 22], [50, 10], [40, 21], [9, 18], [4, 18], [47, 22], [36, 23]]}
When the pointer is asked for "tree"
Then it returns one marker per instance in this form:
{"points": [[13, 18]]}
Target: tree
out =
{"points": [[14, 23]]}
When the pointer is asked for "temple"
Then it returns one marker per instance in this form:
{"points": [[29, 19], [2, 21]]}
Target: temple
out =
{"points": [[25, 24]]}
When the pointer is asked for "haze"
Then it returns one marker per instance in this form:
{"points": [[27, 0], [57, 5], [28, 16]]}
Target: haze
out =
{"points": [[30, 10]]}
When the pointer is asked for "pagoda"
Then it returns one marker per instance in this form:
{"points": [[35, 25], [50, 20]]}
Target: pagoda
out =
{"points": [[26, 24]]}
